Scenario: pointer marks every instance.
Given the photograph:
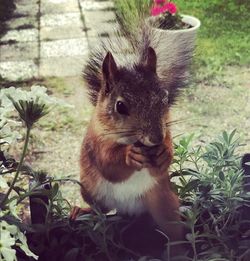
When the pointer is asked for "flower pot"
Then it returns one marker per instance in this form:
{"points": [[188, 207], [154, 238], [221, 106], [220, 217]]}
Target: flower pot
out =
{"points": [[184, 38]]}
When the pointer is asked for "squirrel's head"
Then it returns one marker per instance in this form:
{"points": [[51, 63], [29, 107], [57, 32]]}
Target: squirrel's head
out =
{"points": [[132, 105]]}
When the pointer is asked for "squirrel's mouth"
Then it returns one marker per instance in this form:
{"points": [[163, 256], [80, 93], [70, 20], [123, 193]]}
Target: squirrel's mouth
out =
{"points": [[145, 141], [127, 140], [138, 141]]}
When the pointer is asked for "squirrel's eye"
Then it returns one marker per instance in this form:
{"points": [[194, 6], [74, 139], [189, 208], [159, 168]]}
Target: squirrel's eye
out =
{"points": [[121, 108]]}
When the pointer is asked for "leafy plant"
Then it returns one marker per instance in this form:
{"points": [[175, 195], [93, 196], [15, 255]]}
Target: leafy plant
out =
{"points": [[167, 16], [209, 180], [211, 186], [30, 106], [130, 12]]}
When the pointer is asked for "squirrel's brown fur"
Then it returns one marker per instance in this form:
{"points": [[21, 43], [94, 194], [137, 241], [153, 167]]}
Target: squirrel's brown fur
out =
{"points": [[127, 149]]}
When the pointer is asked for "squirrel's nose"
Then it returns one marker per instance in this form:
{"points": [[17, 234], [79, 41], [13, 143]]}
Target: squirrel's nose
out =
{"points": [[156, 139], [152, 140]]}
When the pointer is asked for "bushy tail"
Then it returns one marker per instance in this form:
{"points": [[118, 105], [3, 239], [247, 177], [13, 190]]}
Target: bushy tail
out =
{"points": [[131, 49]]}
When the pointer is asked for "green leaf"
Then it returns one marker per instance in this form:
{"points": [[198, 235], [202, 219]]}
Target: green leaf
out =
{"points": [[25, 247], [232, 135], [97, 225], [54, 191], [190, 186], [221, 176], [225, 136]]}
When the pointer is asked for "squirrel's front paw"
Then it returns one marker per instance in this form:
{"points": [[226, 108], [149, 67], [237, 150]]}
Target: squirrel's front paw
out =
{"points": [[76, 211], [162, 159], [136, 159]]}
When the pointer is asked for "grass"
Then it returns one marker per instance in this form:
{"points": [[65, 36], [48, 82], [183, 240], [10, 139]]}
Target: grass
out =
{"points": [[223, 38]]}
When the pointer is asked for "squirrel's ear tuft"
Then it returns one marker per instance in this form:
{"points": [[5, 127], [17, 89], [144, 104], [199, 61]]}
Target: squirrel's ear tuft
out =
{"points": [[109, 67], [151, 60]]}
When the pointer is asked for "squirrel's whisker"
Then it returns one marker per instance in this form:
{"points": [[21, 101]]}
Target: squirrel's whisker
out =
{"points": [[119, 132], [121, 129], [172, 123], [177, 121], [110, 134]]}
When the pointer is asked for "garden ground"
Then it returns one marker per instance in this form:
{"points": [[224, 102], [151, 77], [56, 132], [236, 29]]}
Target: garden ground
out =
{"points": [[217, 101]]}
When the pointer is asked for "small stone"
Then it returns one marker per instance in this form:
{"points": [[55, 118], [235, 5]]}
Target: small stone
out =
{"points": [[25, 35], [66, 47], [18, 71]]}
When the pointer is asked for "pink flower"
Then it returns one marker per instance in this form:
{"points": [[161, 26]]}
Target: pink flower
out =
{"points": [[171, 8], [156, 10], [164, 8]]}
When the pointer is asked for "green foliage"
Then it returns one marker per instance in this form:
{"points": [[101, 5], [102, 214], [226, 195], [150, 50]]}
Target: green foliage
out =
{"points": [[211, 185], [11, 236], [93, 237], [208, 179], [30, 106], [130, 12], [223, 36]]}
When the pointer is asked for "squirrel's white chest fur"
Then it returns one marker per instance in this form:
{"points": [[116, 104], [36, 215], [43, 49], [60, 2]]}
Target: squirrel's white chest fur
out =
{"points": [[127, 196]]}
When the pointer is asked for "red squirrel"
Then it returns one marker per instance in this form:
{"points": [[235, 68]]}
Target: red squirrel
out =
{"points": [[127, 150]]}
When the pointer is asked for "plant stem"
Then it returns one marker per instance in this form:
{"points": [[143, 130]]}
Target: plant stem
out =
{"points": [[18, 168], [193, 243]]}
